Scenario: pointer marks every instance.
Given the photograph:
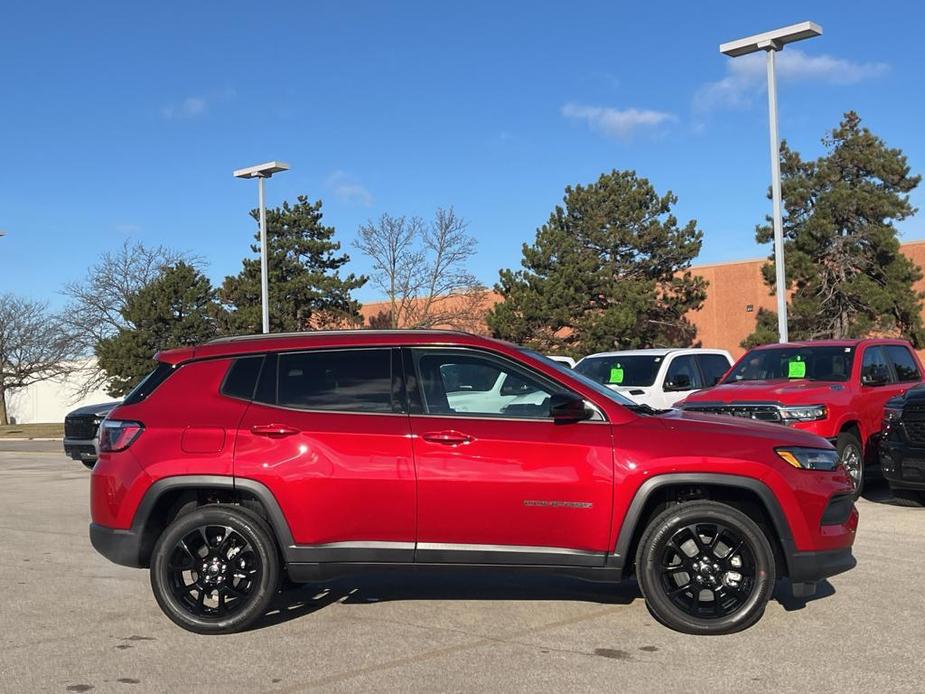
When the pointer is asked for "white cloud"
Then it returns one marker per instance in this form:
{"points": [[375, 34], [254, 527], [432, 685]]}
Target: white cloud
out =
{"points": [[195, 106], [348, 190], [747, 76], [620, 124]]}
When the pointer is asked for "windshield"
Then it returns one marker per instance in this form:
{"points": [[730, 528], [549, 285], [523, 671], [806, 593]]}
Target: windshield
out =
{"points": [[810, 363], [597, 387], [630, 371]]}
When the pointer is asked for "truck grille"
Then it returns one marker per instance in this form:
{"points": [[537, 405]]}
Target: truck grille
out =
{"points": [[763, 413], [81, 427], [913, 421]]}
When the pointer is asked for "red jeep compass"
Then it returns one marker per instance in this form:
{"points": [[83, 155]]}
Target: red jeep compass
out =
{"points": [[329, 452]]}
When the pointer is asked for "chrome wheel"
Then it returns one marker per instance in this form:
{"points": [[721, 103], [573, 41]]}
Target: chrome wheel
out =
{"points": [[854, 466]]}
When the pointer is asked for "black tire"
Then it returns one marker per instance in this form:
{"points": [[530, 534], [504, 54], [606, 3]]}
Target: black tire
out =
{"points": [[224, 574], [674, 587], [88, 463], [851, 457]]}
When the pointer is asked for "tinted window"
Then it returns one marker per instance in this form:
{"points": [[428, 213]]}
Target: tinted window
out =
{"points": [[874, 364], [621, 370], [811, 363], [242, 377], [714, 367], [514, 392], [346, 380], [473, 377], [147, 385], [903, 363], [682, 374]]}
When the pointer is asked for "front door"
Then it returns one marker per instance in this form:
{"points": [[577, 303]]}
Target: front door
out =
{"points": [[329, 437], [498, 480], [681, 379]]}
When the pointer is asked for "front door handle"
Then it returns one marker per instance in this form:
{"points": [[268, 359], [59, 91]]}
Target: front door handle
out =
{"points": [[273, 430], [447, 438]]}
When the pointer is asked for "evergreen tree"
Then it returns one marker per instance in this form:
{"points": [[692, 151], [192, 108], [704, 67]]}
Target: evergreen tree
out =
{"points": [[175, 309], [609, 269], [843, 261], [306, 289]]}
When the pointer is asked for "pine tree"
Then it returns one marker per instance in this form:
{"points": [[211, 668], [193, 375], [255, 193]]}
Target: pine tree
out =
{"points": [[609, 269], [175, 309], [842, 252], [306, 289]]}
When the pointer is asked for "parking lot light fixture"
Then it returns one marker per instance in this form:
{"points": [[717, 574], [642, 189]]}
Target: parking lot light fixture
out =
{"points": [[771, 42], [261, 172]]}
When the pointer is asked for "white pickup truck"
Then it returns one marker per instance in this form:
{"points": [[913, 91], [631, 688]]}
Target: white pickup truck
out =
{"points": [[657, 377]]}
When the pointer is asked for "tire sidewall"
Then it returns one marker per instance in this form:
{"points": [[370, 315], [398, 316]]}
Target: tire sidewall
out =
{"points": [[844, 440], [257, 533], [663, 528]]}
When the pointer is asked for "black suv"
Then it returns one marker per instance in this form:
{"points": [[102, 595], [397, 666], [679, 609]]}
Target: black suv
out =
{"points": [[80, 430], [902, 444]]}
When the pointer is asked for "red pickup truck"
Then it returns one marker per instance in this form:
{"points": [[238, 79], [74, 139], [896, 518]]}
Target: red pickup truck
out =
{"points": [[833, 388]]}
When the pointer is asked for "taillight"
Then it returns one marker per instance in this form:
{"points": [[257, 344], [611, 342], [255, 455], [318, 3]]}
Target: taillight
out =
{"points": [[118, 434]]}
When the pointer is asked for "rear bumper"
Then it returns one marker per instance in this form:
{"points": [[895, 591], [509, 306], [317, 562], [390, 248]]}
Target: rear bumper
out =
{"points": [[809, 567], [118, 546]]}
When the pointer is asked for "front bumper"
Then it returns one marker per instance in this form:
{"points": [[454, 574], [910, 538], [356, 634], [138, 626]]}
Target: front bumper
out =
{"points": [[118, 546], [902, 464], [83, 450]]}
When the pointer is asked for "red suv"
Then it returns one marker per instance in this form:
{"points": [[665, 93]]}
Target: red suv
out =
{"points": [[323, 453], [836, 389]]}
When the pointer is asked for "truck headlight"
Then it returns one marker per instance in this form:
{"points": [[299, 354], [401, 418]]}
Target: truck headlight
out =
{"points": [[804, 413], [809, 458]]}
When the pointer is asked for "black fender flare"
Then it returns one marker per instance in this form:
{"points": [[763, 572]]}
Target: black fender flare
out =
{"points": [[632, 519], [260, 491]]}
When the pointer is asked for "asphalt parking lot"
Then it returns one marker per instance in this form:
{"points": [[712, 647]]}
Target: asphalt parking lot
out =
{"points": [[71, 621]]}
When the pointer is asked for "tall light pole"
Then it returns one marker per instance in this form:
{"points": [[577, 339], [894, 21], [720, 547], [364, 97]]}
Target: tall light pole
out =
{"points": [[771, 42], [261, 172]]}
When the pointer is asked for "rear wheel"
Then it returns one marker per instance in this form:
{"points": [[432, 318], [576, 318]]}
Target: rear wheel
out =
{"points": [[851, 457], [705, 568], [215, 570]]}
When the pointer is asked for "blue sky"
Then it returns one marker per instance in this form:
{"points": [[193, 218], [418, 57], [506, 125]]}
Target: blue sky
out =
{"points": [[125, 120]]}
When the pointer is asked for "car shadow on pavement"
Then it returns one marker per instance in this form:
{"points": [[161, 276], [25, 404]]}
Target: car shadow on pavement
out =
{"points": [[296, 601], [879, 492], [783, 594]]}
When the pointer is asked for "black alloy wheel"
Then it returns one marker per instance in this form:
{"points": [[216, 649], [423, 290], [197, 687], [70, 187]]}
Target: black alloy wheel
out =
{"points": [[215, 570], [705, 568]]}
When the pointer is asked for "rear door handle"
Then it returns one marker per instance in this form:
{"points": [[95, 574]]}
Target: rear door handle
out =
{"points": [[447, 438], [274, 430]]}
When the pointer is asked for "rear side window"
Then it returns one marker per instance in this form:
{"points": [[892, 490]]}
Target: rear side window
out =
{"points": [[903, 362], [358, 380], [242, 377], [713, 366], [148, 384]]}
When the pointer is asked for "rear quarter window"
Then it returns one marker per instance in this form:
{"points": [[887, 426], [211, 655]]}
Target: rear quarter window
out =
{"points": [[241, 379]]}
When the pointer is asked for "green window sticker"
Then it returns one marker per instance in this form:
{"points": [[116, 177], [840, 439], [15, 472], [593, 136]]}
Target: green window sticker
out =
{"points": [[616, 374], [796, 368]]}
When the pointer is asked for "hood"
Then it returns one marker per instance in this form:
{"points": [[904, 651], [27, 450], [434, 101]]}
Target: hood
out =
{"points": [[719, 426], [800, 392], [101, 409]]}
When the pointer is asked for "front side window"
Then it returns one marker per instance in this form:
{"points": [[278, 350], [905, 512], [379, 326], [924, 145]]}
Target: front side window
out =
{"points": [[793, 363], [875, 368], [682, 374], [903, 363], [445, 390], [357, 380], [630, 371]]}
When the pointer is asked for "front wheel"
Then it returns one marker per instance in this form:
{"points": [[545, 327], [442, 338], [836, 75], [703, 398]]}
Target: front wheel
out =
{"points": [[215, 570], [851, 457], [705, 568]]}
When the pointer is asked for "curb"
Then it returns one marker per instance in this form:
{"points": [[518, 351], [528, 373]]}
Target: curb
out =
{"points": [[11, 438]]}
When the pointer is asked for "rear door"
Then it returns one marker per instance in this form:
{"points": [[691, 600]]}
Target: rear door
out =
{"points": [[712, 367], [501, 482], [874, 397], [329, 436]]}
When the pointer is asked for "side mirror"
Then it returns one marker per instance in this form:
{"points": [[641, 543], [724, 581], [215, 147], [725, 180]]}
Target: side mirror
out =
{"points": [[566, 407], [679, 382], [875, 375]]}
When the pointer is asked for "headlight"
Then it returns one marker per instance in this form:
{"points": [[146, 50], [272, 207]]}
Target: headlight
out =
{"points": [[809, 458], [803, 413], [892, 414]]}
